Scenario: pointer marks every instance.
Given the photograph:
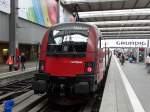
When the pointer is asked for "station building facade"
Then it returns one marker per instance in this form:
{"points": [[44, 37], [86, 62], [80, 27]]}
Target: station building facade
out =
{"points": [[28, 35], [34, 18]]}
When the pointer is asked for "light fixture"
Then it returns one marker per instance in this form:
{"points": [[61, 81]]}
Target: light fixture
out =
{"points": [[124, 28], [124, 22], [115, 13], [125, 35], [87, 1], [5, 50], [126, 32]]}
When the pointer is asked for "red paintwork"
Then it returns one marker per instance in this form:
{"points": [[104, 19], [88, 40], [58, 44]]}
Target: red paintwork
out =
{"points": [[61, 66], [69, 66], [43, 47]]}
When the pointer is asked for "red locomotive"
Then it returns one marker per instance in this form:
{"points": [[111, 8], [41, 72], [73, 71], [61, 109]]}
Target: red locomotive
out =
{"points": [[70, 61]]}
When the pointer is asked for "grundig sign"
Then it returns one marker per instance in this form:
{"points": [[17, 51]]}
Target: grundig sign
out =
{"points": [[125, 43]]}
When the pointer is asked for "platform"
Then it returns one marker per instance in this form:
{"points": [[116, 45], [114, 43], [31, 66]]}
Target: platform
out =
{"points": [[127, 88], [4, 68]]}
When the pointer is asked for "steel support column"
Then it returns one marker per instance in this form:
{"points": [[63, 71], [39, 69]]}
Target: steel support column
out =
{"points": [[12, 27], [58, 11]]}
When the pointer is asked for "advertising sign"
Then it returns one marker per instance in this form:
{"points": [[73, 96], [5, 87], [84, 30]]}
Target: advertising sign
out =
{"points": [[43, 12], [124, 43], [5, 6]]}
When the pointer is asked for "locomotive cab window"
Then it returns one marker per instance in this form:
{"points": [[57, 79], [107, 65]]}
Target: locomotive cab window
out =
{"points": [[65, 42]]}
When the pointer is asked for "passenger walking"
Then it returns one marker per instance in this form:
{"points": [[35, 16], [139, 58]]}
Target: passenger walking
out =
{"points": [[10, 62], [122, 58], [23, 60], [147, 62]]}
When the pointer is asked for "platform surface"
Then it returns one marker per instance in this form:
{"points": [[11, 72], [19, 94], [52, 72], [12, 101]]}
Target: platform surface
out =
{"points": [[5, 68], [127, 88]]}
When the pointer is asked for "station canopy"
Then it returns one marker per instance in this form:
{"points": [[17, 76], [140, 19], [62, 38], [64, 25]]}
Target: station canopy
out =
{"points": [[116, 19]]}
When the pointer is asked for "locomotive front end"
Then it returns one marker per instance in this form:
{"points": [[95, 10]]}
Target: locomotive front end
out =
{"points": [[67, 65]]}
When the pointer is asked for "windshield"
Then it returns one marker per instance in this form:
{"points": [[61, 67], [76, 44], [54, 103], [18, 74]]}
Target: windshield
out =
{"points": [[67, 41]]}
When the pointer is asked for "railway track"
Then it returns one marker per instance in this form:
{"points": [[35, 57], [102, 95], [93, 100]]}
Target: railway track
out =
{"points": [[13, 90], [42, 104], [91, 105], [29, 102], [16, 76], [13, 84]]}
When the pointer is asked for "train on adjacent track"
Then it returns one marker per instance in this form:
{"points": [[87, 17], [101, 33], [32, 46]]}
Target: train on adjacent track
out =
{"points": [[70, 60]]}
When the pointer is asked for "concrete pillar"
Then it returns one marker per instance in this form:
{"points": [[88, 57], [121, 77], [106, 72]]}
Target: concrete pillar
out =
{"points": [[137, 50], [12, 27]]}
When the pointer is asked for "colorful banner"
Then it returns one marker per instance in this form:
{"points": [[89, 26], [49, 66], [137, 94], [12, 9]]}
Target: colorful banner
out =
{"points": [[43, 12], [5, 6]]}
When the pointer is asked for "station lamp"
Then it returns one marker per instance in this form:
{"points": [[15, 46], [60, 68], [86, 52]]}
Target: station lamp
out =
{"points": [[87, 1]]}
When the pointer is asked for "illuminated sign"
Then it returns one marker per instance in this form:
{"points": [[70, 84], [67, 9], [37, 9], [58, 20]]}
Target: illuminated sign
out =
{"points": [[125, 43]]}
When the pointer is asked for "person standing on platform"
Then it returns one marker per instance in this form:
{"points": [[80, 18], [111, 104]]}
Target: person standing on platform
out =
{"points": [[17, 63], [122, 58], [147, 62], [23, 60], [10, 62]]}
